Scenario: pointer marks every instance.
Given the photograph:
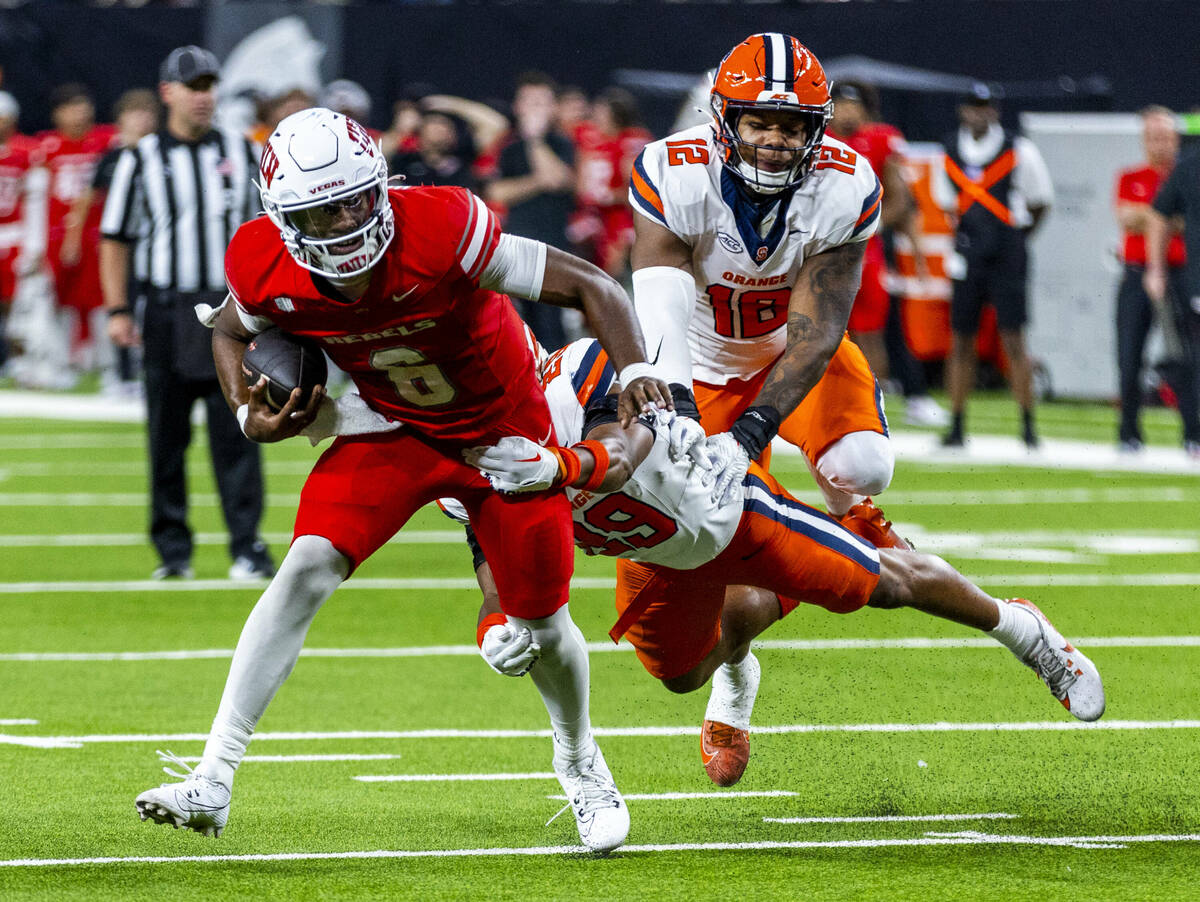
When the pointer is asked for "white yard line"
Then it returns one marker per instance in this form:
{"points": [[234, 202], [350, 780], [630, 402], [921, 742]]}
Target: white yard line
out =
{"points": [[434, 651], [18, 722], [114, 499], [450, 778], [298, 759], [1055, 726], [687, 796], [892, 818], [580, 582], [103, 540], [955, 839]]}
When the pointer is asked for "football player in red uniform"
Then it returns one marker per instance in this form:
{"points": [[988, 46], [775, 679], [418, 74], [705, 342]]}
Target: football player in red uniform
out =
{"points": [[22, 242], [71, 153], [402, 288], [605, 147]]}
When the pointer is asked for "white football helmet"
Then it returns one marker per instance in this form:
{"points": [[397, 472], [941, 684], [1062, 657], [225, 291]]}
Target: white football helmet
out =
{"points": [[324, 184]]}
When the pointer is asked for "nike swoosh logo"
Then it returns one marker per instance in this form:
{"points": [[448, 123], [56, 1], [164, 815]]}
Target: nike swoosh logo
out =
{"points": [[528, 460], [400, 297], [549, 432], [657, 351]]}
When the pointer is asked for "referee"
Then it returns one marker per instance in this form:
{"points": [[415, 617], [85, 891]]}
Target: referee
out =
{"points": [[176, 199]]}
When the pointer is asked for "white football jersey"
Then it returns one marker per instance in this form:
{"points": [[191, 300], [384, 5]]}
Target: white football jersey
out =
{"points": [[745, 268], [663, 514]]}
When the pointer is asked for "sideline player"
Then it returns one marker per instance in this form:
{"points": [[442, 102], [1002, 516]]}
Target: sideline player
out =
{"points": [[682, 545], [752, 231], [401, 288]]}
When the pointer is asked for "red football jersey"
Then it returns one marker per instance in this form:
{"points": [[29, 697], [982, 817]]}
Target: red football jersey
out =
{"points": [[1138, 186], [425, 344], [876, 141], [604, 163], [72, 165], [17, 156]]}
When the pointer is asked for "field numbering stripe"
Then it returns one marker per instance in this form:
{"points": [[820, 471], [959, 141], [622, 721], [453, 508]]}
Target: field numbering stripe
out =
{"points": [[954, 839]]}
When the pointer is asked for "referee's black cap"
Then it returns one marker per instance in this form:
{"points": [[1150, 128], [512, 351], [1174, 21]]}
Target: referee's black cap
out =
{"points": [[187, 64], [980, 94]]}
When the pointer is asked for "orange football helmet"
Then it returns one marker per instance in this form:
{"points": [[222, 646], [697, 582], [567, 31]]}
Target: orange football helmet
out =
{"points": [[769, 72]]}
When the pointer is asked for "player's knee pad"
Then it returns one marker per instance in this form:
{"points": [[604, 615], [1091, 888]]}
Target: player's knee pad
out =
{"points": [[311, 570], [557, 635], [860, 463]]}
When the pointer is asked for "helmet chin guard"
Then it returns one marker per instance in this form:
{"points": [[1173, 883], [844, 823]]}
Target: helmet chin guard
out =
{"points": [[317, 160]]}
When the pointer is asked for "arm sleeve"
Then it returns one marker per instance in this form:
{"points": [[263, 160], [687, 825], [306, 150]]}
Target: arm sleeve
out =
{"points": [[664, 297], [516, 268]]}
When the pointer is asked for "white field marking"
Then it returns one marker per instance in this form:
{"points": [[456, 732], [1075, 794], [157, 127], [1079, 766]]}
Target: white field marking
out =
{"points": [[450, 778], [291, 759], [685, 796], [934, 839], [1056, 726], [111, 499], [892, 818], [579, 582], [43, 440], [469, 651], [18, 722], [410, 537], [131, 468]]}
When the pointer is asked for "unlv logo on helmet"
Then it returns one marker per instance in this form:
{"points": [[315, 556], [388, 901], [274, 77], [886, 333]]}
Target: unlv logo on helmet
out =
{"points": [[269, 165], [360, 137]]}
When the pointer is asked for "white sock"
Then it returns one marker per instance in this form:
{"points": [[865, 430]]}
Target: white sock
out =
{"points": [[1017, 630], [734, 687], [268, 648], [561, 676]]}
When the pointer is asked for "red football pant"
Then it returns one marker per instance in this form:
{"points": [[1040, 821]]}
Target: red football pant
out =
{"points": [[365, 488]]}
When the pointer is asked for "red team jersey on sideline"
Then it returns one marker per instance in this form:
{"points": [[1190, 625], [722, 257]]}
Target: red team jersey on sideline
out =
{"points": [[877, 142], [17, 157], [425, 344], [72, 165], [1138, 186]]}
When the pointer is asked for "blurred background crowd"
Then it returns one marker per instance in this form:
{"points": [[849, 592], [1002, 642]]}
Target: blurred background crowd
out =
{"points": [[552, 152]]}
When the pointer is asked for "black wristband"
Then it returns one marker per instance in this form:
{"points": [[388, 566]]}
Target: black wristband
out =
{"points": [[685, 401], [755, 428], [120, 311]]}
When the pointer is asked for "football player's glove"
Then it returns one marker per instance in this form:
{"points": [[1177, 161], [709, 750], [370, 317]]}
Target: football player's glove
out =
{"points": [[729, 463], [515, 464], [509, 651], [687, 440]]}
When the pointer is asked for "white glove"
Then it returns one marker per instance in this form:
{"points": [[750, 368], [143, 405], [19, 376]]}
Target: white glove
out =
{"points": [[687, 440], [515, 464], [729, 465], [509, 651]]}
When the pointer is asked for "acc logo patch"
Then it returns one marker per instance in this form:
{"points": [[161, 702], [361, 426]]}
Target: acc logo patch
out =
{"points": [[729, 243]]}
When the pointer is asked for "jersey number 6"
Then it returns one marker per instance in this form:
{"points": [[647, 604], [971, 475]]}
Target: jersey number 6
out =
{"points": [[417, 381]]}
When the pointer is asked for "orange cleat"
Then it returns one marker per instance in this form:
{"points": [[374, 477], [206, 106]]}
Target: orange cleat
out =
{"points": [[725, 751], [866, 520]]}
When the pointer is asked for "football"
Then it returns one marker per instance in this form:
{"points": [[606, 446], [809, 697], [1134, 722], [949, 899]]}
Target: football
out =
{"points": [[287, 361]]}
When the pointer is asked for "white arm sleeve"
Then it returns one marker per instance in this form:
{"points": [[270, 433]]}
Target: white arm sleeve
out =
{"points": [[517, 267], [33, 217], [663, 297]]}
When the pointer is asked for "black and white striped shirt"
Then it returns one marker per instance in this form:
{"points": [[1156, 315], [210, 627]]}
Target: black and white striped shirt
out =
{"points": [[179, 204]]}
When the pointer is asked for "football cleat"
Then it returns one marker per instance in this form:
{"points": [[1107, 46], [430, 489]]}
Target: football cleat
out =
{"points": [[1070, 676], [725, 737], [197, 803], [600, 812], [866, 521], [725, 751]]}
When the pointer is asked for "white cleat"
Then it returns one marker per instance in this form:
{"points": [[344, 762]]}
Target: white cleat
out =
{"points": [[1072, 678], [197, 803], [922, 410], [592, 794]]}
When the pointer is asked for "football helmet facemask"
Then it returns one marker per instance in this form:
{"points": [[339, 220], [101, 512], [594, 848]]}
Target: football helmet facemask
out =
{"points": [[769, 72], [323, 182]]}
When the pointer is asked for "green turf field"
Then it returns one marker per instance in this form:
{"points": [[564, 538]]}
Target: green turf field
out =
{"points": [[896, 757]]}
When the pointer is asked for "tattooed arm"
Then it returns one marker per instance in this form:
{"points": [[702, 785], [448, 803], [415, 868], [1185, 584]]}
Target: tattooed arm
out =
{"points": [[817, 314]]}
